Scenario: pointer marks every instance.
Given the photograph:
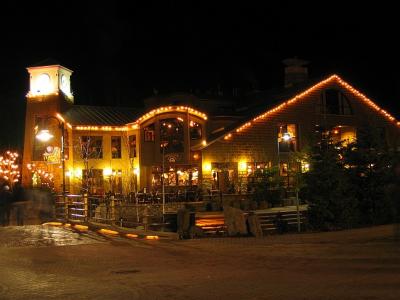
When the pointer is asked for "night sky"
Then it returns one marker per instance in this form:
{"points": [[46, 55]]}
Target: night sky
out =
{"points": [[120, 53]]}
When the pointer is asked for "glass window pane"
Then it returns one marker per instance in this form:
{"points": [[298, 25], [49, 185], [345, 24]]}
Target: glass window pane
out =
{"points": [[171, 135], [195, 130], [91, 147], [132, 146], [149, 134], [116, 147]]}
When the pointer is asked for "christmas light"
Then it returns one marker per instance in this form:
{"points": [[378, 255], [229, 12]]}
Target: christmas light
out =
{"points": [[102, 128], [9, 168], [166, 109], [333, 78]]}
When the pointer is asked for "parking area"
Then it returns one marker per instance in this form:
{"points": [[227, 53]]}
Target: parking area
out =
{"points": [[354, 264]]}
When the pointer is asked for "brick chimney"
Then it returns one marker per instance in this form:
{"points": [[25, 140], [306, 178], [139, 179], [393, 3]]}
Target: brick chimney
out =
{"points": [[295, 71]]}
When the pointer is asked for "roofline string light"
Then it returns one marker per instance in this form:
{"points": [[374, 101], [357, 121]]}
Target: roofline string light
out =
{"points": [[135, 125], [166, 109], [102, 128], [306, 93]]}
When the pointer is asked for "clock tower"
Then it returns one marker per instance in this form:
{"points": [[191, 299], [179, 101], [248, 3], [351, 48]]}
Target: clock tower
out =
{"points": [[49, 96]]}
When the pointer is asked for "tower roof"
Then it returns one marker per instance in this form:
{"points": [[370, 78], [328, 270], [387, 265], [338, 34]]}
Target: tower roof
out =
{"points": [[48, 62]]}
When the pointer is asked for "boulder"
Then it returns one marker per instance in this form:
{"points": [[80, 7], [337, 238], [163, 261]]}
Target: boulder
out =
{"points": [[235, 221], [254, 225]]}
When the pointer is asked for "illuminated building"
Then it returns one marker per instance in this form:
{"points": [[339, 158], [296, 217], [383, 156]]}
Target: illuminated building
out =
{"points": [[209, 143]]}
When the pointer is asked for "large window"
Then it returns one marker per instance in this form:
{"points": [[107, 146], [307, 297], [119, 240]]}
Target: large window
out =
{"points": [[287, 138], [195, 130], [132, 146], [116, 147], [334, 102], [93, 180], [176, 176], [116, 181], [92, 147], [225, 176], [343, 134], [171, 135]]}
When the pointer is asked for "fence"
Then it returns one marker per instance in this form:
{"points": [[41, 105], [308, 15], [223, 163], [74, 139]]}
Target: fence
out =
{"points": [[115, 211], [141, 210]]}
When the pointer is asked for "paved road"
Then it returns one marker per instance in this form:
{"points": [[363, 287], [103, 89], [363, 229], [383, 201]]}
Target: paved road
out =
{"points": [[55, 263]]}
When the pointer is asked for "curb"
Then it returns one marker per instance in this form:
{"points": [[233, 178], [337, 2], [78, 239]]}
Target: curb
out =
{"points": [[110, 230]]}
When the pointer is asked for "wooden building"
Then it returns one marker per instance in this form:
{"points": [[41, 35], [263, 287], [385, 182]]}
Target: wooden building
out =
{"points": [[214, 142]]}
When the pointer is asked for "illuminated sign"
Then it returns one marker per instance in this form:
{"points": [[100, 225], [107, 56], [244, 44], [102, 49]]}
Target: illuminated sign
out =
{"points": [[52, 155]]}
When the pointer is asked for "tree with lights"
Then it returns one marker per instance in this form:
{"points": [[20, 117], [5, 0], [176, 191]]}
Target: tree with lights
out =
{"points": [[9, 169]]}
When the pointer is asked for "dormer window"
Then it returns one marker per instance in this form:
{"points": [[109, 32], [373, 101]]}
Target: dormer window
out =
{"points": [[334, 102]]}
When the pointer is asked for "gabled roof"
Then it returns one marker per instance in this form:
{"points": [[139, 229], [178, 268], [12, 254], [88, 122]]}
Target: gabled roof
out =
{"points": [[271, 101], [100, 115]]}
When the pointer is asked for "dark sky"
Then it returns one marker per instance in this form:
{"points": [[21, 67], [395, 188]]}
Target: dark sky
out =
{"points": [[119, 53]]}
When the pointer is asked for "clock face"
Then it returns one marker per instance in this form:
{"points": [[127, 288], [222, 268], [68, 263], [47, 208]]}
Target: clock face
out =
{"points": [[43, 82], [63, 82]]}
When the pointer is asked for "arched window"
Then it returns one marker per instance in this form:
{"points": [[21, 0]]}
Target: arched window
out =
{"points": [[171, 135]]}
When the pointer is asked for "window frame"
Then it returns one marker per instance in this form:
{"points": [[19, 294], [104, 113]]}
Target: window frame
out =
{"points": [[119, 147], [343, 103]]}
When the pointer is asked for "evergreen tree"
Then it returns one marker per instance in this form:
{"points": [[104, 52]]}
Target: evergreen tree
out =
{"points": [[351, 184], [332, 203], [369, 167]]}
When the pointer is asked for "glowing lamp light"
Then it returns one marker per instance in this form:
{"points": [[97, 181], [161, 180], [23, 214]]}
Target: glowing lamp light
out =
{"points": [[286, 137], [52, 224], [78, 173], [136, 171], [108, 231], [44, 135], [132, 235], [242, 166], [107, 172], [207, 167], [81, 227]]}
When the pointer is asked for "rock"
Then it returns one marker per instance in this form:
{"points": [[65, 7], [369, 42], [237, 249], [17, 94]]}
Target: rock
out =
{"points": [[254, 225], [235, 221], [263, 204], [183, 222], [196, 231], [253, 205]]}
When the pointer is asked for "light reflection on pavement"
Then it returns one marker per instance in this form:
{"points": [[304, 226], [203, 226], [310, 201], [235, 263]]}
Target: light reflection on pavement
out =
{"points": [[42, 236]]}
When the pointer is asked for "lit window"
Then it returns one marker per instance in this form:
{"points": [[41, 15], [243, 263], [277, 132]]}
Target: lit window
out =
{"points": [[287, 138], [116, 147], [132, 146], [195, 130], [92, 179], [171, 135], [91, 147], [343, 134]]}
